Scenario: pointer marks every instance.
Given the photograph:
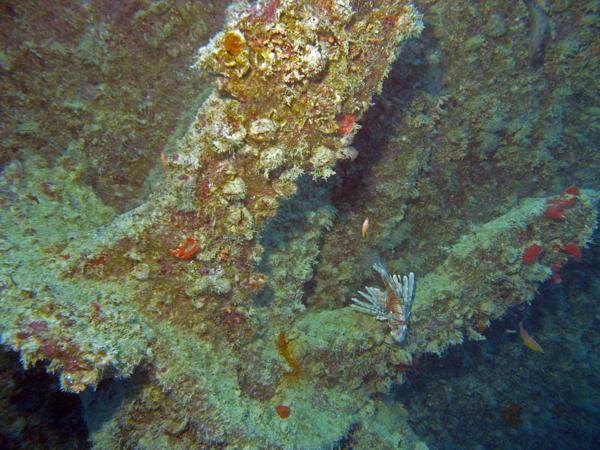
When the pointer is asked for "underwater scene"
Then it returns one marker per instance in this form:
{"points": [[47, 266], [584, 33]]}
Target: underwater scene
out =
{"points": [[287, 224]]}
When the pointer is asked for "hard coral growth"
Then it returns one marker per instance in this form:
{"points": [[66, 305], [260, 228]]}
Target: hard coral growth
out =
{"points": [[306, 57]]}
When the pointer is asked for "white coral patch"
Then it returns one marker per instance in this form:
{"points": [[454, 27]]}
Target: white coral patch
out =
{"points": [[263, 127], [271, 159], [322, 157]]}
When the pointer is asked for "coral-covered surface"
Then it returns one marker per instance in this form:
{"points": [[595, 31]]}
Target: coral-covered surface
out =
{"points": [[490, 393], [216, 310], [108, 78]]}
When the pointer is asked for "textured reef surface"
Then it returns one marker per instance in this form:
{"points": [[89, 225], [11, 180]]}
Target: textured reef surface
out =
{"points": [[192, 192]]}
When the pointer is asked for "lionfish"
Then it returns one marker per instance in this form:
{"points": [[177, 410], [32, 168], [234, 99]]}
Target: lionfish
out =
{"points": [[392, 305]]}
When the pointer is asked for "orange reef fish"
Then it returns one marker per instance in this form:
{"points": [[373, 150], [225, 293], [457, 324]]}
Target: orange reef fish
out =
{"points": [[365, 227], [529, 342], [163, 161]]}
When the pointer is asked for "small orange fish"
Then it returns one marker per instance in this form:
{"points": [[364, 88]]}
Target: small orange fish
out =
{"points": [[365, 227], [529, 342], [163, 161]]}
